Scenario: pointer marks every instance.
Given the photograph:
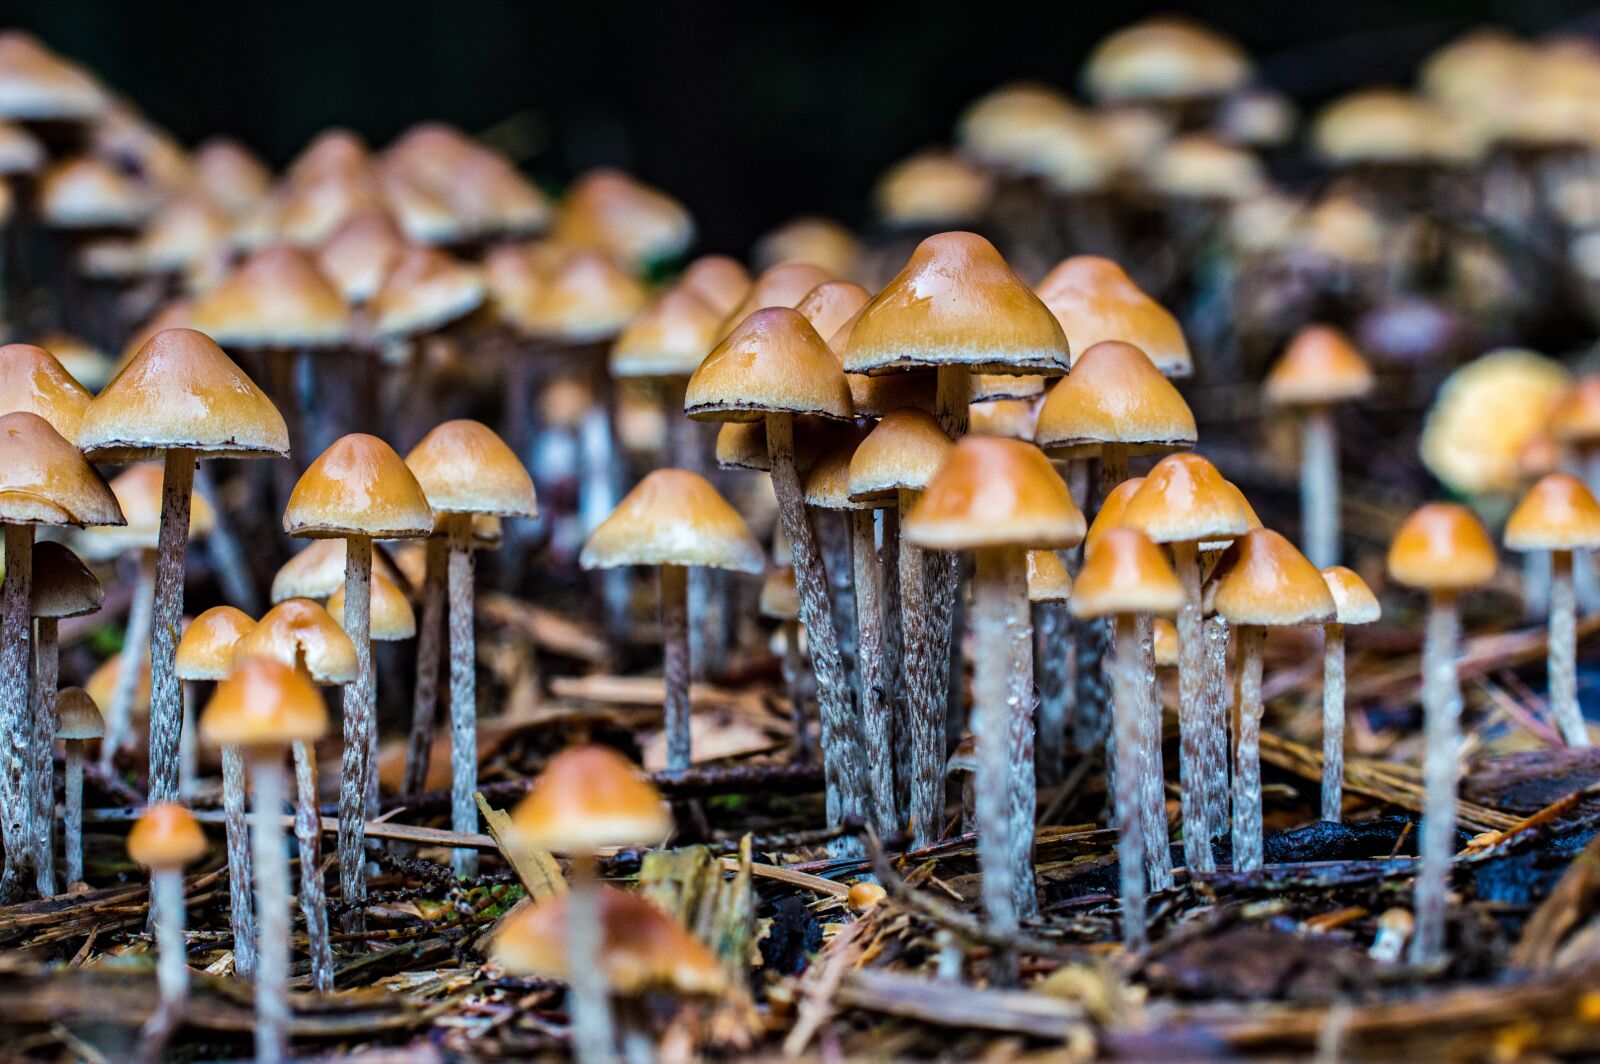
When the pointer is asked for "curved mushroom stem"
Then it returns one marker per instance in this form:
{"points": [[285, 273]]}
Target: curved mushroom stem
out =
{"points": [[872, 667], [926, 678], [135, 649], [46, 676], [593, 1037], [272, 906], [1333, 722], [72, 818], [166, 701], [430, 645], [794, 682], [1247, 754], [358, 707], [1055, 684], [1563, 651], [1191, 718], [16, 801], [674, 591], [1215, 729], [1152, 773], [1131, 705], [241, 908], [843, 759], [463, 691], [308, 838], [1319, 487], [1441, 708]]}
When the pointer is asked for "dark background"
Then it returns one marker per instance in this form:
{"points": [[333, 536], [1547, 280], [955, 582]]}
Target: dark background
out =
{"points": [[751, 113]]}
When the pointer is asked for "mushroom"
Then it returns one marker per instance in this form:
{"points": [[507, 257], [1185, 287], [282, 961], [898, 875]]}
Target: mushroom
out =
{"points": [[1441, 549], [1354, 603], [78, 721], [893, 465], [263, 707], [1559, 515], [180, 397], [1183, 502], [1165, 61], [34, 380], [998, 498], [164, 839], [664, 344], [206, 652], [361, 253], [1319, 368], [1095, 300], [674, 519], [772, 367], [608, 209], [1124, 576], [464, 469], [44, 480], [317, 570], [357, 490], [1261, 582], [722, 282], [589, 798], [62, 587]]}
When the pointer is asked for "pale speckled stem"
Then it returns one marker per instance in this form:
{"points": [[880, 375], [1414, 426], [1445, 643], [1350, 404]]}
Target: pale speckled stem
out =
{"points": [[1319, 487], [1535, 585], [593, 1033], [16, 803], [308, 838], [1152, 773], [843, 760], [1091, 711], [188, 748], [674, 592], [430, 645], [834, 540], [1333, 722], [166, 701], [872, 668], [1563, 651], [1247, 754], [241, 907], [1192, 740], [1131, 703], [72, 818], [1054, 669], [925, 693], [888, 533], [272, 906], [463, 691], [1441, 707], [46, 677], [172, 968], [358, 706], [1214, 771], [135, 649], [794, 682]]}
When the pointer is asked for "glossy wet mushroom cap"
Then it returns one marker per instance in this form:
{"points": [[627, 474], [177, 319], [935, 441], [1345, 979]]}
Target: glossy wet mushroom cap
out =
{"points": [[1353, 600], [1442, 547], [1095, 300], [773, 362], [301, 634], [1557, 513], [992, 492], [826, 485], [1048, 579], [589, 798], [1320, 365], [1185, 499], [464, 468], [1112, 509], [1264, 580], [32, 379], [317, 570], [668, 338], [206, 651], [358, 487], [62, 585], [263, 703], [783, 285], [1114, 395], [45, 480], [1124, 572], [902, 452], [673, 517], [166, 836]]}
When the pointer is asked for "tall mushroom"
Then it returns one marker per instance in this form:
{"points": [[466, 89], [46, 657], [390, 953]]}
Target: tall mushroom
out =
{"points": [[675, 520], [205, 653], [1262, 582], [1559, 515], [589, 798], [44, 480], [1441, 549], [179, 398], [1183, 502], [464, 469], [78, 721], [1319, 368], [998, 498], [164, 839], [1354, 603], [1124, 576], [357, 490], [262, 708]]}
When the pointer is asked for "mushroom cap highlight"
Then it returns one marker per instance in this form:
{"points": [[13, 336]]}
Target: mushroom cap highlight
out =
{"points": [[903, 451], [465, 468], [1048, 579], [317, 570], [1557, 513], [32, 379], [589, 798], [389, 618], [1264, 580], [426, 289], [1112, 508], [772, 362], [303, 635], [1442, 547], [359, 486], [993, 492], [263, 703], [206, 651], [1185, 499], [165, 837], [45, 480], [673, 517], [1320, 365], [1114, 395], [1353, 600], [668, 338], [1095, 300], [1124, 572], [277, 297]]}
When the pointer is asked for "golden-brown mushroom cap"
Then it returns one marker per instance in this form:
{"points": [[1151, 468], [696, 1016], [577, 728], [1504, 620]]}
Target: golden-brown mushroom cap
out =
{"points": [[1353, 600], [186, 229], [1320, 365], [1164, 641], [1112, 507], [77, 717], [464, 468], [229, 175], [826, 485], [1185, 499], [589, 798], [275, 298], [718, 280], [1115, 395], [1264, 580], [1165, 58], [1487, 411], [668, 338], [1442, 547], [1125, 573], [425, 289], [992, 492], [1576, 417], [32, 379], [138, 489], [673, 517], [1009, 418], [1557, 513], [610, 210], [317, 570], [206, 650], [390, 617], [586, 297], [361, 253], [780, 597], [783, 285], [811, 239], [933, 189], [902, 452], [1095, 300], [90, 193], [62, 585], [102, 683], [358, 487], [1379, 125], [303, 635], [832, 304], [263, 703], [166, 836], [1048, 579], [44, 480], [773, 362], [1199, 167]]}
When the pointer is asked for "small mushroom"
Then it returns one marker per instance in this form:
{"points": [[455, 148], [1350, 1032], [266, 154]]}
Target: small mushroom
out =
{"points": [[722, 282], [164, 839], [78, 721], [1354, 603]]}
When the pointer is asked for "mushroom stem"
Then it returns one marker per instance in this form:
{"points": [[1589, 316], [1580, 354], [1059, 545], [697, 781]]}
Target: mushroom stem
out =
{"points": [[72, 819], [1152, 774], [1113, 467], [1441, 708], [358, 707], [135, 648], [674, 591], [241, 908], [1192, 741], [1004, 733], [233, 572], [166, 701], [188, 747], [1091, 638], [46, 677], [15, 651], [1333, 722], [843, 759], [430, 644], [794, 683], [1214, 705], [172, 968], [272, 906], [308, 838], [1319, 487], [1247, 754], [926, 678], [593, 1038], [872, 665], [1055, 682], [463, 691], [1536, 585], [834, 541], [1563, 664], [1131, 705]]}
